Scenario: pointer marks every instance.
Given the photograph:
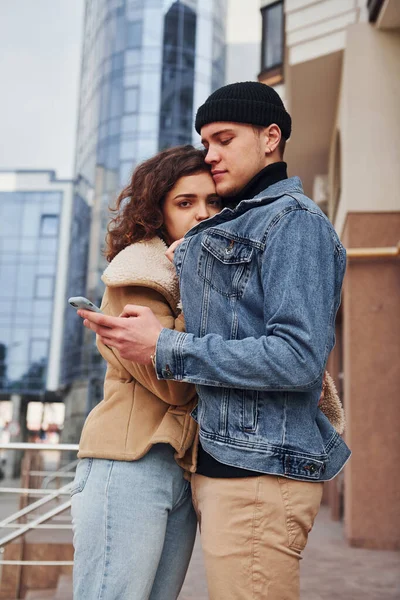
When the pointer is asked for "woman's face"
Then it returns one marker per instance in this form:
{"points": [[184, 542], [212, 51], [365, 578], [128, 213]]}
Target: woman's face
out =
{"points": [[192, 199]]}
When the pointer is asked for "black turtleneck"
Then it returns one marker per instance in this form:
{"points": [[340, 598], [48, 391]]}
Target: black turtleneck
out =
{"points": [[206, 464], [264, 178]]}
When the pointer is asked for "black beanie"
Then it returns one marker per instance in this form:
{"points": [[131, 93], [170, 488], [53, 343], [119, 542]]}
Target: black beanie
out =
{"points": [[245, 102]]}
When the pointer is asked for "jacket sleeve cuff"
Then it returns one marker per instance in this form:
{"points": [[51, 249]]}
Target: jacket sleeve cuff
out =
{"points": [[169, 354]]}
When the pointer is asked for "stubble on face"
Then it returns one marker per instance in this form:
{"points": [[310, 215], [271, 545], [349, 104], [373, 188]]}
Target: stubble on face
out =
{"points": [[249, 159]]}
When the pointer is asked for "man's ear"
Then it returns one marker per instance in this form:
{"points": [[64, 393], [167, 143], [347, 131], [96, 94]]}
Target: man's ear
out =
{"points": [[272, 137]]}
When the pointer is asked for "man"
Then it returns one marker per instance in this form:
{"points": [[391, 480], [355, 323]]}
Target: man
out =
{"points": [[260, 287]]}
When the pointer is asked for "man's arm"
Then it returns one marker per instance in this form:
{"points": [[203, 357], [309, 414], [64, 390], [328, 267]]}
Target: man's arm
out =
{"points": [[298, 274]]}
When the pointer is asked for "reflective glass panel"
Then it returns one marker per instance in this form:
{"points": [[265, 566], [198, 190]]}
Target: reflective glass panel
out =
{"points": [[48, 248], [48, 225], [25, 281], [44, 287], [132, 58], [273, 36], [125, 171], [134, 34], [127, 150], [131, 100], [38, 350], [129, 123]]}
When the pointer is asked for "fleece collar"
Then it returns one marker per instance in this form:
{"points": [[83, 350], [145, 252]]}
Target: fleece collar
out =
{"points": [[144, 264]]}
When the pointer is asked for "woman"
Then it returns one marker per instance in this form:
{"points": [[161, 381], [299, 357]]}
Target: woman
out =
{"points": [[134, 524]]}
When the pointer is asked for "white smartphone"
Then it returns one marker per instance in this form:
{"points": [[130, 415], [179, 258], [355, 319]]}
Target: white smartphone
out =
{"points": [[82, 302]]}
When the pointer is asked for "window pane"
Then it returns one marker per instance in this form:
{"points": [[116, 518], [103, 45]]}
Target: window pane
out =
{"points": [[8, 279], [131, 77], [128, 150], [125, 171], [25, 281], [43, 308], [134, 34], [129, 123], [38, 350], [117, 61], [23, 308], [132, 58], [51, 202], [273, 36], [112, 155], [148, 124], [48, 249], [11, 216], [151, 56], [120, 33], [28, 245], [116, 100], [131, 100], [44, 287], [30, 220], [6, 310], [49, 225], [45, 269], [113, 127], [12, 244]]}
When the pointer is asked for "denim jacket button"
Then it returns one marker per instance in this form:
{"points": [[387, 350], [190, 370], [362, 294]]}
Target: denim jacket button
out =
{"points": [[229, 248], [167, 372]]}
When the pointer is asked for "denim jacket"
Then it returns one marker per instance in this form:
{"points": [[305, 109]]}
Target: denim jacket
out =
{"points": [[260, 288]]}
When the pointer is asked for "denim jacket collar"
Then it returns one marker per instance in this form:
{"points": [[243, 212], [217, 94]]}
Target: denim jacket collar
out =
{"points": [[289, 186], [292, 185]]}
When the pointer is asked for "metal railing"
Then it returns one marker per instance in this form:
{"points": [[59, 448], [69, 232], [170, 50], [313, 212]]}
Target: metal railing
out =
{"points": [[386, 252], [48, 496]]}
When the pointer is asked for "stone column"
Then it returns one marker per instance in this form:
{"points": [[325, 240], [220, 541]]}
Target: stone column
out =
{"points": [[371, 328]]}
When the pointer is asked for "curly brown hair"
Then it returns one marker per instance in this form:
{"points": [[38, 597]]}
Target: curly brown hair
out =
{"points": [[140, 218]]}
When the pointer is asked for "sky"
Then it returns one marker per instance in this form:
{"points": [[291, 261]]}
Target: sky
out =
{"points": [[40, 49], [40, 56], [243, 22]]}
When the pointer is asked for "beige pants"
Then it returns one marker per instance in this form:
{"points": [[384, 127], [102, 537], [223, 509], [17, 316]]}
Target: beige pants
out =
{"points": [[252, 532]]}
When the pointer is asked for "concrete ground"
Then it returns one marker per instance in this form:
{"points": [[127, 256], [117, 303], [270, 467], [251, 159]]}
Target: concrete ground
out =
{"points": [[330, 569]]}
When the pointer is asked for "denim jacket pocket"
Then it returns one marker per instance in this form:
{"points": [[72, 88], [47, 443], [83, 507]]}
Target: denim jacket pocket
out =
{"points": [[81, 475], [249, 410], [224, 263]]}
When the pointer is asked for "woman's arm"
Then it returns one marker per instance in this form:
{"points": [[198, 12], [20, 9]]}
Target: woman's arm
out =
{"points": [[114, 300]]}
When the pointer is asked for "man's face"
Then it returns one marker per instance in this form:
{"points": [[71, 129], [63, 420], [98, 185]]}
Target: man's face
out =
{"points": [[236, 153]]}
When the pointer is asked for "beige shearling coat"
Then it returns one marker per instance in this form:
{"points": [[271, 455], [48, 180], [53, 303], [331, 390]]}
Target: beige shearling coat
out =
{"points": [[138, 410]]}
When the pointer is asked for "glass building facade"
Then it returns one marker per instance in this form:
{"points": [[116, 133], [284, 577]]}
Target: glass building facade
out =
{"points": [[177, 75], [146, 67], [76, 283], [30, 270]]}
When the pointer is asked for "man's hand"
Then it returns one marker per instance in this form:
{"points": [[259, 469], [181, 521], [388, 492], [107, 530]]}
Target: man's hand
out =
{"points": [[134, 333]]}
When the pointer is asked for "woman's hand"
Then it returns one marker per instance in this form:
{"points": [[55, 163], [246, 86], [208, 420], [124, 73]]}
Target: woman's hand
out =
{"points": [[171, 250]]}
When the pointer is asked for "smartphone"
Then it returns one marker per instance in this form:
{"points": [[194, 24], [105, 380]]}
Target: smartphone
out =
{"points": [[82, 302]]}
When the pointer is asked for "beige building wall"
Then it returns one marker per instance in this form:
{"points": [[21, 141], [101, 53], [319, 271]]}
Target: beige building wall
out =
{"points": [[342, 88], [318, 27], [364, 206], [342, 84], [369, 123]]}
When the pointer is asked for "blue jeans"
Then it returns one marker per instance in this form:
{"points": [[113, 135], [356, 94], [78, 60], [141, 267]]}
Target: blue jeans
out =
{"points": [[134, 528]]}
